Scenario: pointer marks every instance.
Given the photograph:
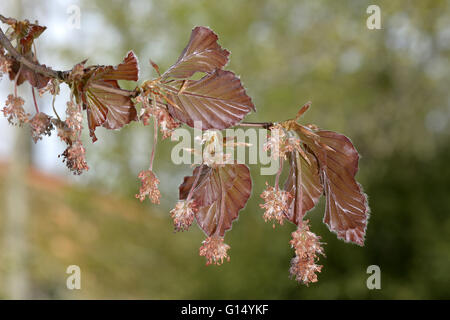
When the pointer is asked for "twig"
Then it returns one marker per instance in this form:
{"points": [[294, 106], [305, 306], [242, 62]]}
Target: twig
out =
{"points": [[265, 125], [54, 109], [155, 140], [34, 100]]}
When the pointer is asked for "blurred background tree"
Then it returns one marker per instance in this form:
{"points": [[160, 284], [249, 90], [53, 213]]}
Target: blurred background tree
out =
{"points": [[387, 89]]}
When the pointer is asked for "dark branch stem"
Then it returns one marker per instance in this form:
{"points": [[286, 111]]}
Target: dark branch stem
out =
{"points": [[63, 75], [265, 125]]}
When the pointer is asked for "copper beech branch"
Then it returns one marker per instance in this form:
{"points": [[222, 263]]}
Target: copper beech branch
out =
{"points": [[265, 125], [63, 75], [327, 160]]}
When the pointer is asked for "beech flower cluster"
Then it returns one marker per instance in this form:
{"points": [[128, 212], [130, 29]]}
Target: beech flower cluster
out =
{"points": [[183, 214], [307, 248], [275, 204], [214, 250], [149, 187], [14, 111]]}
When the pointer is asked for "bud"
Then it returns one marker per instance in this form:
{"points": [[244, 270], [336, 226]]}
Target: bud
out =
{"points": [[214, 250], [52, 87], [165, 121]]}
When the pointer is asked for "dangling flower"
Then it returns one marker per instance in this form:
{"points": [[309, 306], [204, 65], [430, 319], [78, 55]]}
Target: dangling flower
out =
{"points": [[183, 214], [5, 63], [214, 250], [307, 247], [149, 186], [280, 144], [74, 157], [41, 124], [14, 111], [275, 204], [69, 131], [214, 145], [167, 124], [74, 118], [64, 132]]}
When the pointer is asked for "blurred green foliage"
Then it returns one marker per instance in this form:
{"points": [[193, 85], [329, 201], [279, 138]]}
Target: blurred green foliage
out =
{"points": [[386, 89]]}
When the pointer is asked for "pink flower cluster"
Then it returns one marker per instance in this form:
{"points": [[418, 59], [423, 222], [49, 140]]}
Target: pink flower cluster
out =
{"points": [[165, 121], [69, 131], [41, 124], [183, 214], [275, 204], [307, 248], [14, 111], [280, 143], [214, 250], [149, 186]]}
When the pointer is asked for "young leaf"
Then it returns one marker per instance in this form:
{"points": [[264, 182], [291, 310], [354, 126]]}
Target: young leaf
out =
{"points": [[218, 100], [336, 158], [25, 33], [102, 96], [202, 54], [127, 70], [221, 192], [346, 211], [36, 79], [304, 184]]}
